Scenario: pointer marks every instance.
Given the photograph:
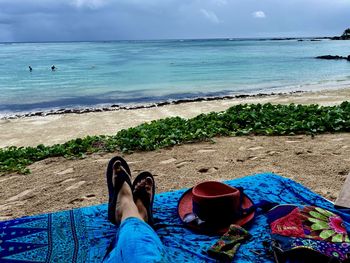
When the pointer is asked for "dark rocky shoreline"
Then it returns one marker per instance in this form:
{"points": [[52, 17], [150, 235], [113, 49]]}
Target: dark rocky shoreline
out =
{"points": [[116, 107], [332, 57]]}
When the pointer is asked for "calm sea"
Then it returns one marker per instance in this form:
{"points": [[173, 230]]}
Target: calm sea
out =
{"points": [[132, 72]]}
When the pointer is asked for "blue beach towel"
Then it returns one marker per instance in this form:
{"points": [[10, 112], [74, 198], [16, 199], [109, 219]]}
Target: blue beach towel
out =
{"points": [[84, 234]]}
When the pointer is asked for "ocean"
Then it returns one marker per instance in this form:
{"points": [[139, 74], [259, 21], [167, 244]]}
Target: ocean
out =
{"points": [[99, 74]]}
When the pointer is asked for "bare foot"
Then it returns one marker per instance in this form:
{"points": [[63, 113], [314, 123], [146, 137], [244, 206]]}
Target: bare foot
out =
{"points": [[147, 184], [125, 197]]}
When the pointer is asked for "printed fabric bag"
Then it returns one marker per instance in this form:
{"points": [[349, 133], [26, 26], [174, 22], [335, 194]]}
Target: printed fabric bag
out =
{"points": [[307, 234]]}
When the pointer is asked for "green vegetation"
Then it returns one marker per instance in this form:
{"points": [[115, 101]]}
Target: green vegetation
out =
{"points": [[239, 120], [346, 34]]}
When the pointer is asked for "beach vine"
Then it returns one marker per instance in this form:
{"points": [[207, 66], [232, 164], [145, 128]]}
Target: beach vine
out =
{"points": [[247, 119]]}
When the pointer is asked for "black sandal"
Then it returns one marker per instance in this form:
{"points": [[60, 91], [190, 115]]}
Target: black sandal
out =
{"points": [[109, 173], [142, 195], [122, 176]]}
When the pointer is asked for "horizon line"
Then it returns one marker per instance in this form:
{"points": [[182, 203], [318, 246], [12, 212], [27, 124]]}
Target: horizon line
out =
{"points": [[166, 39]]}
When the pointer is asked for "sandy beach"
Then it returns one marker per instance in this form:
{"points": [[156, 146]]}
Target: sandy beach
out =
{"points": [[320, 163], [54, 129], [253, 95]]}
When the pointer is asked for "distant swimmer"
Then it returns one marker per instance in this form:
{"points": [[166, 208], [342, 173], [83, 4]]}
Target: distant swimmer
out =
{"points": [[30, 68], [53, 68]]}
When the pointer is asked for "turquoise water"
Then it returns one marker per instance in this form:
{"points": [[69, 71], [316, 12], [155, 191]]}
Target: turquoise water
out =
{"points": [[127, 72]]}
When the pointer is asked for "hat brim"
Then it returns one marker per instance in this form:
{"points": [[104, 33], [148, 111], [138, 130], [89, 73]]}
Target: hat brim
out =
{"points": [[185, 207]]}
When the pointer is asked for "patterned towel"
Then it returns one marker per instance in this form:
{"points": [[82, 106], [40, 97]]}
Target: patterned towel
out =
{"points": [[83, 235]]}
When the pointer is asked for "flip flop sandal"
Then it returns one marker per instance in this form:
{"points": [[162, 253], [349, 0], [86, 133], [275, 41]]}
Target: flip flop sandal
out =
{"points": [[119, 180], [109, 174], [144, 196]]}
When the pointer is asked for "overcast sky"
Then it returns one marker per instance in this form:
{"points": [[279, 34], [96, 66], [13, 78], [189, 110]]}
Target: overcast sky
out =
{"points": [[75, 20]]}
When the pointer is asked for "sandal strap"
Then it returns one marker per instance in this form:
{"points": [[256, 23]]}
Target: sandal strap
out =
{"points": [[143, 195]]}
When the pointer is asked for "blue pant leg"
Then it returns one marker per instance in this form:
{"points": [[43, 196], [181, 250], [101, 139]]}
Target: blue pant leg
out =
{"points": [[136, 242]]}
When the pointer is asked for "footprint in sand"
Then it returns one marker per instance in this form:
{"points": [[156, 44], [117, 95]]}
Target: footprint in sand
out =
{"points": [[9, 178], [68, 180], [102, 161], [255, 148], [206, 151], [292, 141], [208, 170], [183, 163], [82, 199], [75, 186], [19, 196], [168, 161], [77, 200], [67, 171], [273, 153]]}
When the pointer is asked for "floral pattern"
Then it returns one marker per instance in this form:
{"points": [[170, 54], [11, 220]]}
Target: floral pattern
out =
{"points": [[325, 224], [309, 227]]}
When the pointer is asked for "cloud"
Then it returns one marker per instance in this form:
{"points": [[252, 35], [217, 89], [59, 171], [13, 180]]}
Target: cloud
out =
{"points": [[210, 15], [74, 20], [259, 14]]}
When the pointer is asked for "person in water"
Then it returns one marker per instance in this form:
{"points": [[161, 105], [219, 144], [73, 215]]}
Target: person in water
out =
{"points": [[30, 68], [53, 68]]}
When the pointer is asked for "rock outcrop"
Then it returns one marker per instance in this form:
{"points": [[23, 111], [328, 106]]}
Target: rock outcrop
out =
{"points": [[330, 57], [344, 36]]}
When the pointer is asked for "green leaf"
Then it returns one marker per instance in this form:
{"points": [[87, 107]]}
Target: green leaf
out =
{"points": [[324, 212], [320, 226], [326, 234], [318, 215], [337, 238]]}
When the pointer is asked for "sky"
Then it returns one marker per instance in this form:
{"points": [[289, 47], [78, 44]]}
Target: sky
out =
{"points": [[95, 20]]}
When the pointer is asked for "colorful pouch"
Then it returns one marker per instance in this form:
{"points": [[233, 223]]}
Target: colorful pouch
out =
{"points": [[226, 247], [308, 234]]}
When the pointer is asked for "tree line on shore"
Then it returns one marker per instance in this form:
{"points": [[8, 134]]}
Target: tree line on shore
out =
{"points": [[344, 36]]}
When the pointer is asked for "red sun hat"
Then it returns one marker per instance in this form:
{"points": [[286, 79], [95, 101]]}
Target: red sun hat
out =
{"points": [[211, 207]]}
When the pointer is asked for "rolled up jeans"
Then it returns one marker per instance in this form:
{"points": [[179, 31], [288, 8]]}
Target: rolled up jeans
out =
{"points": [[136, 242]]}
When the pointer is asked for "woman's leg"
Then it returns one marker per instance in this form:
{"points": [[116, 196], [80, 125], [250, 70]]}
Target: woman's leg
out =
{"points": [[136, 241]]}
